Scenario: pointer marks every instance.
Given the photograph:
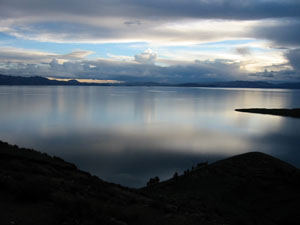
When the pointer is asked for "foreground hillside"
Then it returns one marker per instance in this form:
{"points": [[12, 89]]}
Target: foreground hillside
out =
{"points": [[252, 188], [38, 189]]}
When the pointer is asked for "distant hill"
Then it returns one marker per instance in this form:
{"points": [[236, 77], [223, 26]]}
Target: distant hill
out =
{"points": [[251, 189], [37, 80], [243, 84], [18, 80], [148, 84]]}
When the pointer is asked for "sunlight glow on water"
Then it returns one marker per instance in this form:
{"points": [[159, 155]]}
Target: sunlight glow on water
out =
{"points": [[127, 134]]}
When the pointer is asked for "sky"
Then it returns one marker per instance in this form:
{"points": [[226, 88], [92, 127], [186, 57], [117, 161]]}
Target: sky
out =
{"points": [[171, 41]]}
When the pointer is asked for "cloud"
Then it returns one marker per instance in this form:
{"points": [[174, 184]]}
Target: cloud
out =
{"points": [[133, 22], [114, 30], [282, 75], [66, 68], [146, 57], [10, 54], [294, 58], [265, 74], [77, 55], [158, 21], [102, 69], [243, 50], [283, 33], [141, 68], [240, 9]]}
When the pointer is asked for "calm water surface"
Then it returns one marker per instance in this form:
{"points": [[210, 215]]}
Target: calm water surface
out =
{"points": [[128, 134]]}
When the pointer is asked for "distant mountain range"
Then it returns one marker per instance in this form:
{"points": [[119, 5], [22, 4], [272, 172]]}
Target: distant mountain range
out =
{"points": [[18, 80], [37, 80], [243, 84]]}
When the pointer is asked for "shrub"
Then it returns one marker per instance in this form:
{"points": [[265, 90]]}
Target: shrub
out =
{"points": [[153, 181]]}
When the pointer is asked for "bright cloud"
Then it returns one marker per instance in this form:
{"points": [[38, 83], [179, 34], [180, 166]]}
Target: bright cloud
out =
{"points": [[146, 57]]}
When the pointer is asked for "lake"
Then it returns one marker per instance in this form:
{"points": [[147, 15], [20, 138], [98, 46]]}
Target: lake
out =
{"points": [[128, 134]]}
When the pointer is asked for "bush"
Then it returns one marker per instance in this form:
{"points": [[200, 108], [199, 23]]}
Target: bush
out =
{"points": [[175, 176], [153, 181]]}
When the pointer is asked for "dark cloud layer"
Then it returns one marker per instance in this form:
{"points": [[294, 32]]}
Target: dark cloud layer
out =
{"points": [[222, 9], [283, 33], [137, 20], [282, 75], [130, 71], [294, 58]]}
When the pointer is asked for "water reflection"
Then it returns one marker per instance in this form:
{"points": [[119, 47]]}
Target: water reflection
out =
{"points": [[128, 134]]}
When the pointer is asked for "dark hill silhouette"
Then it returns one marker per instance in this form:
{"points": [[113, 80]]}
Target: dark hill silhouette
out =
{"points": [[37, 80], [36, 189], [278, 112], [232, 84], [251, 188], [243, 84]]}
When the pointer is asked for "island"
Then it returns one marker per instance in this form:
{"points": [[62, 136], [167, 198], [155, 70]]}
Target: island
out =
{"points": [[278, 112], [251, 188]]}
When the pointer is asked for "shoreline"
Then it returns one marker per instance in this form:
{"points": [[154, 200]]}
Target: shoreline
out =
{"points": [[294, 113]]}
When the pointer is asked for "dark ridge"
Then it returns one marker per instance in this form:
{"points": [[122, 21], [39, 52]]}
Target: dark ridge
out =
{"points": [[252, 188], [232, 84], [242, 84], [36, 189], [37, 80], [147, 84], [278, 112]]}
